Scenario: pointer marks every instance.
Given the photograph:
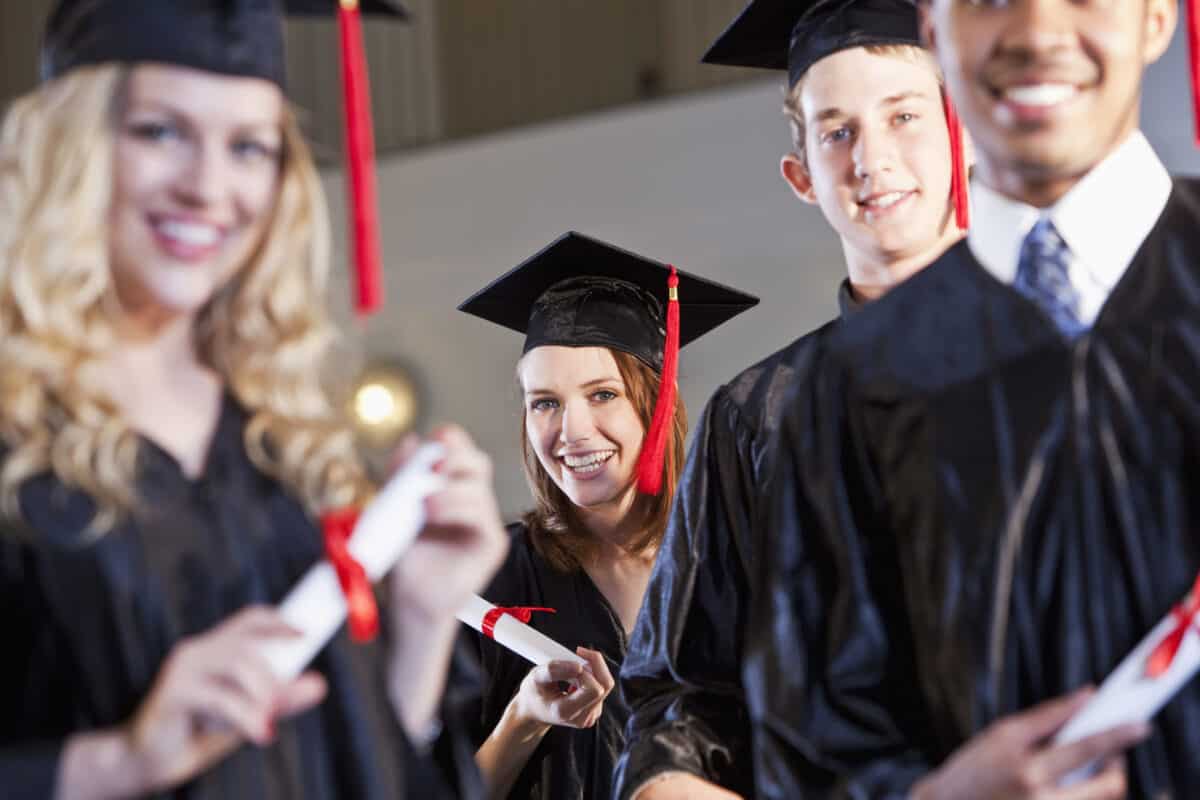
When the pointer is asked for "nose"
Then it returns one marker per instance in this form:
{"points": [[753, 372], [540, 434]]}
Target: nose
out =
{"points": [[205, 180], [1036, 27], [577, 423], [874, 153]]}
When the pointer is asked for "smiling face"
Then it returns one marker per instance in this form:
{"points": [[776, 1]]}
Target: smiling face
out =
{"points": [[197, 162], [582, 424], [1048, 88], [876, 155]]}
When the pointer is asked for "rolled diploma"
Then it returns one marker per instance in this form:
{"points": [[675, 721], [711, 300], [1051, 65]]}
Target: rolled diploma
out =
{"points": [[510, 632], [385, 529], [1128, 694]]}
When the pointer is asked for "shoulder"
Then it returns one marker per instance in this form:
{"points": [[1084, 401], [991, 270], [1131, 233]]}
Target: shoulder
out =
{"points": [[518, 575], [753, 399], [940, 327]]}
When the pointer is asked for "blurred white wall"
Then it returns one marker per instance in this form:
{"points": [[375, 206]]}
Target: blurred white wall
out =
{"points": [[693, 181]]}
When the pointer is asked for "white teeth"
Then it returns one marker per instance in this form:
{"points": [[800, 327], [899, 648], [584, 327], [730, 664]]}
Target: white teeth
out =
{"points": [[1043, 94], [589, 462], [195, 234], [886, 200]]}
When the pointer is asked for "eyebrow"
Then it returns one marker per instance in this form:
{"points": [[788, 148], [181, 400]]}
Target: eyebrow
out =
{"points": [[833, 112], [182, 115], [587, 385]]}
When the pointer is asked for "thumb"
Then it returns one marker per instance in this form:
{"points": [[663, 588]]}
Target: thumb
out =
{"points": [[300, 695], [1044, 719]]}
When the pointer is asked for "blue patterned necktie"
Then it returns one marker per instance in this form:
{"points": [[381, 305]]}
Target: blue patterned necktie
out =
{"points": [[1043, 275]]}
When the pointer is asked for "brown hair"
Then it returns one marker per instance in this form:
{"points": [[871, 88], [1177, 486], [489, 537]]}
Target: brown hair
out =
{"points": [[791, 102], [553, 527]]}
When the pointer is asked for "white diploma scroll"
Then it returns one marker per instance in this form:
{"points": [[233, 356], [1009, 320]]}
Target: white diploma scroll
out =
{"points": [[510, 632], [385, 529], [1128, 694]]}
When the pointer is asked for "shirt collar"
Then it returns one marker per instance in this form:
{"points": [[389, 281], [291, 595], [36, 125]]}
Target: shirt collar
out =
{"points": [[848, 304], [1104, 218]]}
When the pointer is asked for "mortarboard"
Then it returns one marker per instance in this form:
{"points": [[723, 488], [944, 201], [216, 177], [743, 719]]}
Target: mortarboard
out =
{"points": [[793, 35], [581, 292], [243, 38]]}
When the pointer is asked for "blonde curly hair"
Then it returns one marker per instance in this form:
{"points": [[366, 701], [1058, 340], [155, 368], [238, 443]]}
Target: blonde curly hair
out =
{"points": [[262, 332]]}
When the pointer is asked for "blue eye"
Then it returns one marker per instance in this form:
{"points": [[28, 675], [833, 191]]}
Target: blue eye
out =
{"points": [[604, 395], [836, 135], [543, 404], [252, 148], [154, 131]]}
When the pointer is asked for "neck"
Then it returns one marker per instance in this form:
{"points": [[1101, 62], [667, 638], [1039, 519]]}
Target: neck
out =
{"points": [[1025, 186], [872, 277], [156, 348], [615, 525]]}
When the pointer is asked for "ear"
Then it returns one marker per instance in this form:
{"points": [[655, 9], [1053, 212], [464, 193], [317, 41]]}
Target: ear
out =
{"points": [[1159, 26], [792, 168]]}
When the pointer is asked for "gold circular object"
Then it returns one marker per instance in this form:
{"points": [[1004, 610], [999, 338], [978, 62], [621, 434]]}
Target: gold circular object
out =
{"points": [[384, 404]]}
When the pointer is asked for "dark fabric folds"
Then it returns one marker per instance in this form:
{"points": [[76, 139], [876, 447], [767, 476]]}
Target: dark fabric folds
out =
{"points": [[683, 674], [89, 623], [1006, 513]]}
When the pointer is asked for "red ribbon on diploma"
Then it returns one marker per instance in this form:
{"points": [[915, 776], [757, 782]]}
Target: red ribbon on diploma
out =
{"points": [[1185, 616], [363, 614], [522, 613]]}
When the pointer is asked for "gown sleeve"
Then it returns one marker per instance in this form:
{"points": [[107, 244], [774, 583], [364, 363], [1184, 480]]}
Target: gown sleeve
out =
{"points": [[828, 667], [30, 718], [681, 676]]}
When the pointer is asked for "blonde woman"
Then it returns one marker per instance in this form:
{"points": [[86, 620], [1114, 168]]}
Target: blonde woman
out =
{"points": [[167, 448], [595, 361]]}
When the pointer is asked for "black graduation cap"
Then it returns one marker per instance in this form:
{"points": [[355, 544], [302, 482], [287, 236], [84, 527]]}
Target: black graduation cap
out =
{"points": [[242, 38], [581, 292], [232, 37], [793, 35]]}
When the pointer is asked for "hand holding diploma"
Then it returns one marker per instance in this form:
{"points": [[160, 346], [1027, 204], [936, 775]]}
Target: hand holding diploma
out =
{"points": [[1017, 758]]}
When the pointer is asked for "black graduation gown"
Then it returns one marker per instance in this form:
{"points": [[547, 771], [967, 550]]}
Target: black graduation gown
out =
{"points": [[87, 625], [569, 763], [1009, 511], [682, 675]]}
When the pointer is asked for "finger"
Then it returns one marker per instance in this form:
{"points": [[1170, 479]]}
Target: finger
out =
{"points": [[211, 698], [1039, 722], [466, 465], [246, 671], [599, 667], [404, 451], [1061, 760], [582, 699], [300, 695], [457, 509], [550, 673], [256, 621], [454, 437], [1109, 784]]}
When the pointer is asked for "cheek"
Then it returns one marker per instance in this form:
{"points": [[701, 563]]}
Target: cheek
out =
{"points": [[542, 435]]}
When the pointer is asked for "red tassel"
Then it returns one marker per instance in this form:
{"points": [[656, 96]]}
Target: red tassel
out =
{"points": [[360, 160], [653, 455], [958, 165], [363, 614], [1193, 34]]}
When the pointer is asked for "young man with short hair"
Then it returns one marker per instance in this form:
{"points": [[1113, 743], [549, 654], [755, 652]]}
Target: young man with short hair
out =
{"points": [[1019, 484], [872, 149]]}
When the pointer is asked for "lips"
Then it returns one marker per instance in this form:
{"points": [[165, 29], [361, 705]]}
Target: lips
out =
{"points": [[879, 205], [586, 463], [187, 239]]}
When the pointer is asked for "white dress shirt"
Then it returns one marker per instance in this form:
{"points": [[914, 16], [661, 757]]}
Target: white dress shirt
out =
{"points": [[1103, 219]]}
